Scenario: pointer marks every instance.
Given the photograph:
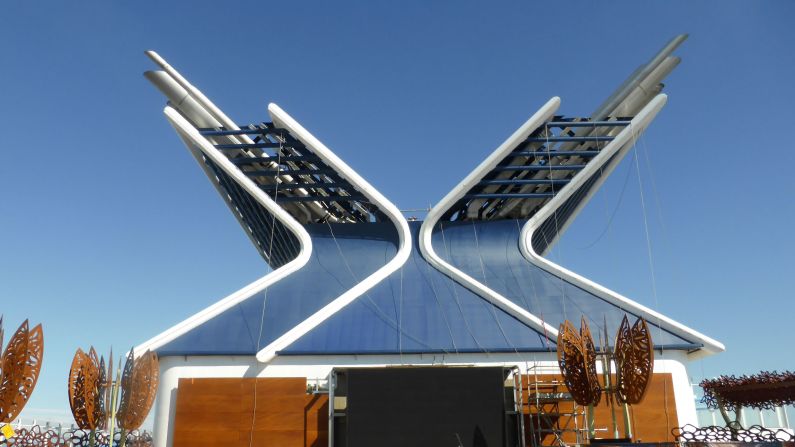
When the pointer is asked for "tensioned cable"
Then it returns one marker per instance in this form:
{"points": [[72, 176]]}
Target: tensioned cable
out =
{"points": [[491, 306], [265, 296], [453, 285], [373, 306], [436, 297], [653, 278], [557, 229], [655, 194], [611, 216], [648, 236], [535, 292]]}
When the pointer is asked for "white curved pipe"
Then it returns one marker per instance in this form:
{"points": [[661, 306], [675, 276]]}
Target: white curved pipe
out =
{"points": [[172, 84], [283, 120], [625, 138], [193, 138], [426, 231]]}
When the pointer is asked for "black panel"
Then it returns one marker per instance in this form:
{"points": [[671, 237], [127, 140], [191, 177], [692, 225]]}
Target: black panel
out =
{"points": [[438, 407]]}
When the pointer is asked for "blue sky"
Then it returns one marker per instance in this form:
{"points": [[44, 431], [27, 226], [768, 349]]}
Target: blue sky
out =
{"points": [[109, 232]]}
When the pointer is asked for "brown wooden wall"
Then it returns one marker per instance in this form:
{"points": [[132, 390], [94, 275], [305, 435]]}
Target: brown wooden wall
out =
{"points": [[213, 412], [652, 419]]}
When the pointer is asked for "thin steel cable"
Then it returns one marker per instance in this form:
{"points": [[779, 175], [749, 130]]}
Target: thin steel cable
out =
{"points": [[653, 277], [455, 292], [557, 233], [648, 235], [264, 303], [535, 293], [491, 306], [373, 306], [655, 194], [612, 215], [438, 302]]}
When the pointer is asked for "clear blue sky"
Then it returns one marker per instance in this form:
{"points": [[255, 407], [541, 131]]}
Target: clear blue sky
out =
{"points": [[110, 233]]}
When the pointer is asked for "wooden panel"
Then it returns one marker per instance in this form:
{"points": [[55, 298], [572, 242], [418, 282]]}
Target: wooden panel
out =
{"points": [[212, 412], [656, 415], [652, 419]]}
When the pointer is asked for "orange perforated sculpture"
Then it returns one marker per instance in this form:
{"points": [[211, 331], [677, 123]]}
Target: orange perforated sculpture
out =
{"points": [[634, 357], [20, 365]]}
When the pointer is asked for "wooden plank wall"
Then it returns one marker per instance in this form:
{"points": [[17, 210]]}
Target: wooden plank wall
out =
{"points": [[652, 419], [213, 412]]}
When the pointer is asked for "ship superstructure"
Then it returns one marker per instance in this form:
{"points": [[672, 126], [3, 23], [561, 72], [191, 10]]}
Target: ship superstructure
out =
{"points": [[353, 283]]}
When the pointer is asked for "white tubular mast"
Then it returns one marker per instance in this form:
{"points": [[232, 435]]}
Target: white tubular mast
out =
{"points": [[195, 106]]}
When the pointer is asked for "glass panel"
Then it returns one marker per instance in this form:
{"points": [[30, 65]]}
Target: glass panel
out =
{"points": [[770, 419], [705, 417], [751, 417]]}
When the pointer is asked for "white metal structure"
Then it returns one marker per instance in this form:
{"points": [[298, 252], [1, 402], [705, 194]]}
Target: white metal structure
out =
{"points": [[426, 247], [194, 117]]}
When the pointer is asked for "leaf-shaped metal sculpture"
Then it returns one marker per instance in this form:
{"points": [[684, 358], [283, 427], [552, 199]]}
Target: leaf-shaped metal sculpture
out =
{"points": [[589, 357], [126, 385], [102, 402], [21, 363], [634, 358], [82, 387], [138, 388], [572, 362], [86, 390]]}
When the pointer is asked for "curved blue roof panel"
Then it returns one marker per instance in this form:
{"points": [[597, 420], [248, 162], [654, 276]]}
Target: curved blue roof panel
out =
{"points": [[415, 310], [342, 255], [489, 252], [419, 310]]}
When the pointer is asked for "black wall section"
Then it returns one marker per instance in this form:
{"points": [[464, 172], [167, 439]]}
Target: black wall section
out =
{"points": [[419, 407]]}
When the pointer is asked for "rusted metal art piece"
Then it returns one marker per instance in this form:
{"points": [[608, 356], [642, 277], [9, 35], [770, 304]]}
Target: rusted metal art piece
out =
{"points": [[765, 390], [589, 355], [138, 388], [712, 433], [103, 390], [574, 365], [19, 370], [84, 389], [634, 357]]}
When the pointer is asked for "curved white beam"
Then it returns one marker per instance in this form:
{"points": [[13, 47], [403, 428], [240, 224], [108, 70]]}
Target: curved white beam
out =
{"points": [[189, 100], [426, 231], [193, 138], [623, 142], [283, 120]]}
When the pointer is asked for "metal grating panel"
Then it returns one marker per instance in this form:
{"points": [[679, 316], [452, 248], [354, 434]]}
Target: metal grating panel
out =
{"points": [[291, 174], [536, 170], [275, 243]]}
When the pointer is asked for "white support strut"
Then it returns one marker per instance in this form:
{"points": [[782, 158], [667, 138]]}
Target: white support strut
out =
{"points": [[622, 143], [426, 230], [283, 120], [194, 138]]}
